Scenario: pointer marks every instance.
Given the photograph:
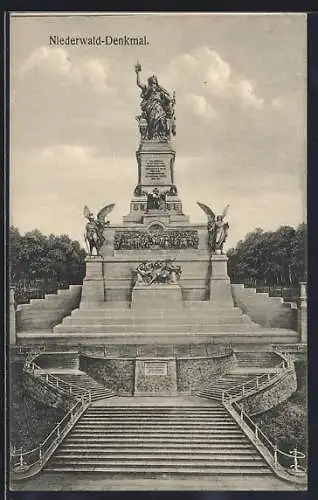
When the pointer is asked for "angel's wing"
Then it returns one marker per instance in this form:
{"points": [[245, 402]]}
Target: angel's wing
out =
{"points": [[225, 211], [105, 211], [206, 209], [86, 211]]}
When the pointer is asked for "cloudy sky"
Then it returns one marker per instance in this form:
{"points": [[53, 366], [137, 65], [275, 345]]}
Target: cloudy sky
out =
{"points": [[240, 82]]}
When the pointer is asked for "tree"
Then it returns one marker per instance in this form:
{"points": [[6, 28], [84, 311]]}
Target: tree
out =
{"points": [[270, 258], [35, 256]]}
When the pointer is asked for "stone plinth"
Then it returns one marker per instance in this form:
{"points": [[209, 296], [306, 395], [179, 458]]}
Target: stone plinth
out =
{"points": [[93, 283], [220, 285], [302, 313], [156, 296]]}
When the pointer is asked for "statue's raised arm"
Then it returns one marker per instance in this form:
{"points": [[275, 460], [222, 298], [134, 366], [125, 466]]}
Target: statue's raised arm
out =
{"points": [[138, 70]]}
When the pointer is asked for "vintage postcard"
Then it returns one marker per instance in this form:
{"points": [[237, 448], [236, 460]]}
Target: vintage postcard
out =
{"points": [[158, 282]]}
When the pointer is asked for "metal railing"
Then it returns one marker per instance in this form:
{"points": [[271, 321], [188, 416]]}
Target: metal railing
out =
{"points": [[24, 462], [278, 457], [27, 463], [256, 383], [230, 399], [54, 381]]}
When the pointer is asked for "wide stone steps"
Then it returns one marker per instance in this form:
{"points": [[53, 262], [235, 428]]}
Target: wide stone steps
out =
{"points": [[177, 320], [157, 440], [165, 328]]}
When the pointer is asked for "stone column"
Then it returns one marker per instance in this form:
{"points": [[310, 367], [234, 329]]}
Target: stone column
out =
{"points": [[93, 284], [302, 313], [12, 318], [220, 285]]}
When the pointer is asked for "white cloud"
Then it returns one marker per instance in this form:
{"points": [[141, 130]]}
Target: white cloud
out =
{"points": [[200, 106], [205, 69], [56, 63]]}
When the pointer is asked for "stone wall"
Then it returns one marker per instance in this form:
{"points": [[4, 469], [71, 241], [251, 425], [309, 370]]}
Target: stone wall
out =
{"points": [[193, 373], [128, 376], [267, 311], [50, 396], [43, 314], [271, 396], [116, 374]]}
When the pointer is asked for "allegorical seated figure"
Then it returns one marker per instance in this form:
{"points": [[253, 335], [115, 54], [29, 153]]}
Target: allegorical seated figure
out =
{"points": [[164, 271], [157, 120]]}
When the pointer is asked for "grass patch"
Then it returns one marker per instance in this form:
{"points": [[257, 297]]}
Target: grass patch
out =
{"points": [[30, 420]]}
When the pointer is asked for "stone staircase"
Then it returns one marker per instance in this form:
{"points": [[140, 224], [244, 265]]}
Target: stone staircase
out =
{"points": [[158, 440], [84, 381], [213, 390], [248, 365], [192, 321]]}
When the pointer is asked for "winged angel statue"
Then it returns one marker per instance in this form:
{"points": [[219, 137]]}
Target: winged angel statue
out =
{"points": [[217, 228], [94, 228]]}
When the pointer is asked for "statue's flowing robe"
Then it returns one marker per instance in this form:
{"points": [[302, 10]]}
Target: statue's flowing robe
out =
{"points": [[153, 105]]}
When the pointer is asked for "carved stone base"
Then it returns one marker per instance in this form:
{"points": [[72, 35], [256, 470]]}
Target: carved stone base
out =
{"points": [[160, 296], [93, 284], [220, 285]]}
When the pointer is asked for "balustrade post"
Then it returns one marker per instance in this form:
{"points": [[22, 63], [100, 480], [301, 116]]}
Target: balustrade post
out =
{"points": [[257, 381], [241, 413], [275, 456], [243, 390], [105, 351], [46, 377], [268, 376], [256, 431], [21, 458], [57, 382], [58, 430], [70, 389], [295, 459], [40, 453]]}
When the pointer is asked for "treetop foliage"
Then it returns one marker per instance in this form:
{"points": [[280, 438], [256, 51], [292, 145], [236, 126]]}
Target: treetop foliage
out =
{"points": [[270, 257], [34, 256]]}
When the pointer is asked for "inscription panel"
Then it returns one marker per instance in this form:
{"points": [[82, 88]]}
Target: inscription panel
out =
{"points": [[155, 171], [156, 368]]}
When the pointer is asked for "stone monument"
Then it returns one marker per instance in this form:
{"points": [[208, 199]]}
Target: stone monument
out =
{"points": [[157, 271]]}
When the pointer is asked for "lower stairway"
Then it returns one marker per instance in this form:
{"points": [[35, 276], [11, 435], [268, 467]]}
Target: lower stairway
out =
{"points": [[160, 441], [80, 380], [217, 385]]}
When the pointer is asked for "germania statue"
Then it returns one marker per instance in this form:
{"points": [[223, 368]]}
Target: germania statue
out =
{"points": [[217, 228], [94, 228], [157, 120]]}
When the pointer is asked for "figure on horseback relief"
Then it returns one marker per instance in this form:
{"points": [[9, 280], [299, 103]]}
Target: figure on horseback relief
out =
{"points": [[94, 229]]}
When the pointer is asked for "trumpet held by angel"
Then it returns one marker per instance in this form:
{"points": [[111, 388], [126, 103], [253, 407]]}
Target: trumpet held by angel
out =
{"points": [[94, 229], [217, 228]]}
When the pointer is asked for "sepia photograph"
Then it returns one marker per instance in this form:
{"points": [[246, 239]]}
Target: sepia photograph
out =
{"points": [[157, 252]]}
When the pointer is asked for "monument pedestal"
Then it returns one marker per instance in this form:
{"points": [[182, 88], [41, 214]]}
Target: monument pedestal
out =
{"points": [[220, 285], [156, 296], [93, 283]]}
